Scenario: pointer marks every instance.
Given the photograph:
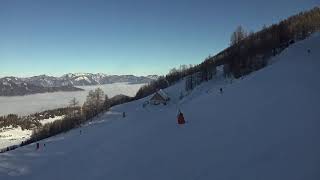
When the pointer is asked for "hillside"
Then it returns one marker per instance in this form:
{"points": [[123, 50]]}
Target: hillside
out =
{"points": [[263, 126]]}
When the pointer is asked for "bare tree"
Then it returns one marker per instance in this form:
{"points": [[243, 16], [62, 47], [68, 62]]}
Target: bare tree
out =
{"points": [[238, 35], [73, 104], [183, 67], [173, 71], [94, 102], [99, 98], [106, 102]]}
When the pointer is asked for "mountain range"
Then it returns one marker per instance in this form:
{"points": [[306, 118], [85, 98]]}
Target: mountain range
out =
{"points": [[14, 86]]}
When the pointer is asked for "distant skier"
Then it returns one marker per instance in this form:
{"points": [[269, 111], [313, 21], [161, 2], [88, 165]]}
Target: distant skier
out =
{"points": [[123, 114], [309, 51], [80, 132], [221, 91], [37, 146], [181, 118]]}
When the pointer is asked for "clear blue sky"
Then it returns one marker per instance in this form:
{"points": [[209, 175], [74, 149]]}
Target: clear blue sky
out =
{"points": [[125, 36]]}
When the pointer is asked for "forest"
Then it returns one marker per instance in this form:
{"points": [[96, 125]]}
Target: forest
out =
{"points": [[248, 51]]}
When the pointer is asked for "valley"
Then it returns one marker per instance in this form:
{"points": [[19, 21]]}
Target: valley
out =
{"points": [[24, 105]]}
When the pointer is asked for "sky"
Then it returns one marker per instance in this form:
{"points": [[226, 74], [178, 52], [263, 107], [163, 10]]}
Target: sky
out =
{"points": [[139, 37]]}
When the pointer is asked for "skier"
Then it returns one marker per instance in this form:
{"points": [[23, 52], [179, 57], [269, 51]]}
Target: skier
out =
{"points": [[123, 114], [181, 118], [38, 146], [221, 90]]}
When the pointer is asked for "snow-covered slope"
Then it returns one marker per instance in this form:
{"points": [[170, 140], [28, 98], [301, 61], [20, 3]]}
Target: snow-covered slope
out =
{"points": [[264, 126], [14, 136], [10, 136]]}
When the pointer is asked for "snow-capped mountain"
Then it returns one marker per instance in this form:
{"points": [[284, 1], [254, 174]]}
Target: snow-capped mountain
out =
{"points": [[47, 81], [11, 86], [84, 79]]}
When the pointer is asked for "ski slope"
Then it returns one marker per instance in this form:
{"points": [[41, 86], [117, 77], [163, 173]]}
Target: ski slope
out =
{"points": [[264, 126]]}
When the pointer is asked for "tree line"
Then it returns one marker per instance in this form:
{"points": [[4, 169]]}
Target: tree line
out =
{"points": [[31, 121], [248, 51], [96, 103]]}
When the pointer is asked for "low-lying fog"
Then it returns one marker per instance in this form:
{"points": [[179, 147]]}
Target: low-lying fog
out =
{"points": [[24, 105]]}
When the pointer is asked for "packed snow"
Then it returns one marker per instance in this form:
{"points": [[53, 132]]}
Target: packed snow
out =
{"points": [[263, 126], [25, 105]]}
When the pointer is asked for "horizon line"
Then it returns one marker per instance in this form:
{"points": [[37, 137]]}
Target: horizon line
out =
{"points": [[29, 76]]}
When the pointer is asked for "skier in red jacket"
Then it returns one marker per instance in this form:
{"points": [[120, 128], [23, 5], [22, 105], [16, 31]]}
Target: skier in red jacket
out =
{"points": [[181, 118]]}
